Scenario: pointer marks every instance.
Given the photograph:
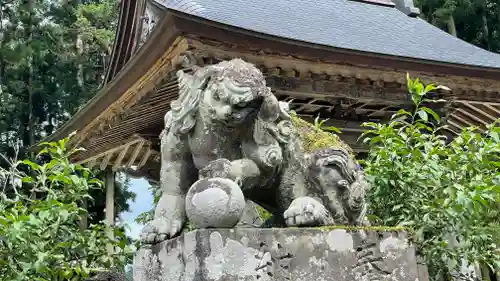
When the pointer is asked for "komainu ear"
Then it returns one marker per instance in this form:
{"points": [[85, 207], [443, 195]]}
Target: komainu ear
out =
{"points": [[203, 75], [270, 109]]}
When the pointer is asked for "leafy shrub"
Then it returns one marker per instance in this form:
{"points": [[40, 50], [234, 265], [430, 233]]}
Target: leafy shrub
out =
{"points": [[446, 191], [40, 232]]}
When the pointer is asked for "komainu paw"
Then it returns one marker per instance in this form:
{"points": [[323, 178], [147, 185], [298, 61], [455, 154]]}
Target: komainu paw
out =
{"points": [[160, 229], [306, 211]]}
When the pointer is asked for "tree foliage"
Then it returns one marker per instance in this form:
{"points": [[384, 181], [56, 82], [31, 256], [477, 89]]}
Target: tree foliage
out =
{"points": [[475, 21], [41, 237], [53, 56], [446, 191], [53, 53]]}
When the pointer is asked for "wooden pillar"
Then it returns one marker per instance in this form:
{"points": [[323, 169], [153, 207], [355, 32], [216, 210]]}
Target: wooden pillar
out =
{"points": [[110, 204], [110, 197]]}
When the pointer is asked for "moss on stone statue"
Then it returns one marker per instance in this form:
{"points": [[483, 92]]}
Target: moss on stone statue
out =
{"points": [[314, 138], [367, 228], [263, 213], [355, 228]]}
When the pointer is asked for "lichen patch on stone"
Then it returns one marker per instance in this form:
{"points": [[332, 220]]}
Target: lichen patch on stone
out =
{"points": [[339, 240], [392, 247], [313, 138]]}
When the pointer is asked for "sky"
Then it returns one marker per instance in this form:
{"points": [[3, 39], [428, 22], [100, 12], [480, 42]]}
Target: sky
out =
{"points": [[143, 202]]}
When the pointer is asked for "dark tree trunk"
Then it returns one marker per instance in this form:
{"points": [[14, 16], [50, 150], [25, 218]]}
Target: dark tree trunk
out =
{"points": [[29, 36], [451, 26], [486, 30]]}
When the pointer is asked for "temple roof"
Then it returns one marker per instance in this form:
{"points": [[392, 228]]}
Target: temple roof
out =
{"points": [[346, 24]]}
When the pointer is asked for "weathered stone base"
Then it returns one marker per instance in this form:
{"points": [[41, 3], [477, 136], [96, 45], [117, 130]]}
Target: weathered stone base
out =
{"points": [[298, 254]]}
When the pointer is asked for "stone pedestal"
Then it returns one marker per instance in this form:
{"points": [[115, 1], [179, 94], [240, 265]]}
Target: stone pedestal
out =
{"points": [[296, 254]]}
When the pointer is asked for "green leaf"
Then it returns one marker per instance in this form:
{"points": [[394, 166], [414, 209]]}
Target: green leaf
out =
{"points": [[33, 165], [495, 136], [431, 112], [430, 88], [27, 180], [316, 122], [419, 89], [415, 99], [409, 82], [402, 112], [331, 129], [423, 115]]}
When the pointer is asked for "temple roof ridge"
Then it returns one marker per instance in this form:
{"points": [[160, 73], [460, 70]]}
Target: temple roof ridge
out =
{"points": [[187, 6]]}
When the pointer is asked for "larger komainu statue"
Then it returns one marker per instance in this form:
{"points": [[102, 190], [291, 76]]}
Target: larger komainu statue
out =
{"points": [[227, 123]]}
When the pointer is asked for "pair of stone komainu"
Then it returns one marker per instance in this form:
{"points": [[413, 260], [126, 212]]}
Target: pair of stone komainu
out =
{"points": [[228, 139]]}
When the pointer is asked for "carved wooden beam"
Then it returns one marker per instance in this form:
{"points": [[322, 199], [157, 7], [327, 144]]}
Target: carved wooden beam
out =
{"points": [[106, 160], [462, 87], [324, 89], [315, 103], [145, 158]]}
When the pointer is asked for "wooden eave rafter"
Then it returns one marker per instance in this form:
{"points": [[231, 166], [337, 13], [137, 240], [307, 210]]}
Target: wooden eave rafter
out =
{"points": [[470, 113], [133, 154]]}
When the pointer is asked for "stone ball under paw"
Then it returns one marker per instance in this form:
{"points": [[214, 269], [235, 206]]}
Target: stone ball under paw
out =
{"points": [[214, 203]]}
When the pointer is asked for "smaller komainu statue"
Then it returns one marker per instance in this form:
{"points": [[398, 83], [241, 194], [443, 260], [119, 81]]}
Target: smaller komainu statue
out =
{"points": [[228, 124]]}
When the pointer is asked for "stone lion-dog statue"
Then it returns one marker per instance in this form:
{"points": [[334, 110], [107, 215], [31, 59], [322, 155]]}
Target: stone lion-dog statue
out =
{"points": [[226, 123]]}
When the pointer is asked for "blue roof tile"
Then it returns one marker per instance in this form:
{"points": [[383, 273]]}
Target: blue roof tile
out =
{"points": [[342, 24]]}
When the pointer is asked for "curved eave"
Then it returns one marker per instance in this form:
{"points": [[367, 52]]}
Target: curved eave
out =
{"points": [[126, 36]]}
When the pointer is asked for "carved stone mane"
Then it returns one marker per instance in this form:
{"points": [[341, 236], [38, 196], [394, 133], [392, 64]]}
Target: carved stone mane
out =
{"points": [[272, 126], [211, 78]]}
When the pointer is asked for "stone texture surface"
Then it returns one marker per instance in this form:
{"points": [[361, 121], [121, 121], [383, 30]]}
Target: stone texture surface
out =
{"points": [[250, 216], [298, 254], [215, 202]]}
